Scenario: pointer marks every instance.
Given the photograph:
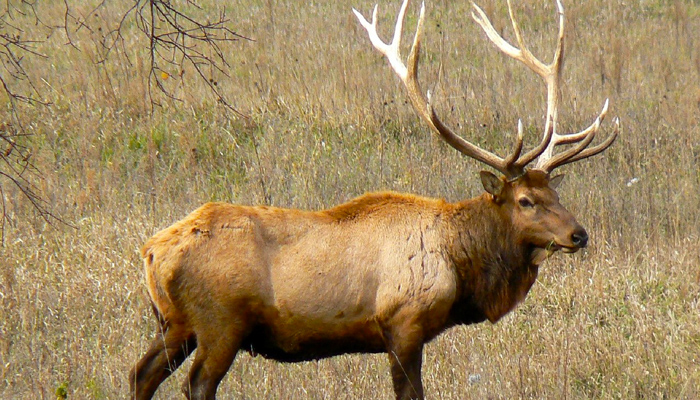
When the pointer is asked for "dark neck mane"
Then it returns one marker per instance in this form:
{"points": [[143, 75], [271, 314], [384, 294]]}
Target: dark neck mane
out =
{"points": [[494, 271]]}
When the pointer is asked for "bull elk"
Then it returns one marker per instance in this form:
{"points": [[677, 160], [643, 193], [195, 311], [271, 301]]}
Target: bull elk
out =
{"points": [[385, 272]]}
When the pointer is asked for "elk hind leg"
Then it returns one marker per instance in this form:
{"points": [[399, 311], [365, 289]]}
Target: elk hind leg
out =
{"points": [[172, 345], [216, 351]]}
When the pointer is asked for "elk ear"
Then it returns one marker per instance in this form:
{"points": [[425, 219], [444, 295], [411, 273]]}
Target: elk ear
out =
{"points": [[554, 182], [492, 183]]}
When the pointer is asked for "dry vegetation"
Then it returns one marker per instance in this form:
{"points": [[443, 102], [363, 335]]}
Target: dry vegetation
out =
{"points": [[328, 121]]}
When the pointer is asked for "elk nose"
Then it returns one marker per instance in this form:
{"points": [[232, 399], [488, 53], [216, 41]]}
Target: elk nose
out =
{"points": [[579, 238]]}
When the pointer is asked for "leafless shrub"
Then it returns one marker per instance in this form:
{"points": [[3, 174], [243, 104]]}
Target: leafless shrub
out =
{"points": [[175, 38], [15, 158]]}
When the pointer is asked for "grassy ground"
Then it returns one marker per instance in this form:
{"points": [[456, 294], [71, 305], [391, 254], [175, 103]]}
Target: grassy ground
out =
{"points": [[329, 121]]}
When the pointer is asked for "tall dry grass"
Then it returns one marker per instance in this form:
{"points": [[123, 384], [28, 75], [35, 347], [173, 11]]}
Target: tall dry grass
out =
{"points": [[329, 121]]}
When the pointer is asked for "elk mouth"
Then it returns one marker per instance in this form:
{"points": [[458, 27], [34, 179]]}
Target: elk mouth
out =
{"points": [[553, 247], [570, 250]]}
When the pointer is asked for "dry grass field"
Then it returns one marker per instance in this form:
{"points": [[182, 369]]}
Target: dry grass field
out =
{"points": [[329, 121]]}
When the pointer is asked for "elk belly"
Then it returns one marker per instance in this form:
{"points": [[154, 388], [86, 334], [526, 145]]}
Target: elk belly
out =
{"points": [[292, 338]]}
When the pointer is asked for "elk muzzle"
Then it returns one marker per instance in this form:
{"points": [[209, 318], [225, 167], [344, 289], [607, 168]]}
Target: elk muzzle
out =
{"points": [[579, 238], [577, 241]]}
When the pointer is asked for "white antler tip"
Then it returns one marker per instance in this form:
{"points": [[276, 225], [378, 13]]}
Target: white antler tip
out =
{"points": [[604, 111], [520, 129], [357, 14], [478, 10], [363, 21], [560, 7]]}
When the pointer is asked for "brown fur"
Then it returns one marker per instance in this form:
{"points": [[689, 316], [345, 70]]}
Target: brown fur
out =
{"points": [[385, 272]]}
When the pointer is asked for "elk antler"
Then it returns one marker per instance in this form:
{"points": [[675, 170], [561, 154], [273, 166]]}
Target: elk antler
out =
{"points": [[510, 166], [551, 74], [514, 164]]}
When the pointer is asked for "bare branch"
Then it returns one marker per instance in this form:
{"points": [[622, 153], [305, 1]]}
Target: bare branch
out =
{"points": [[16, 165], [177, 39]]}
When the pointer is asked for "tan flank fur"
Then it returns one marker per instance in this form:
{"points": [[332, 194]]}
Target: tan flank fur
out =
{"points": [[385, 272]]}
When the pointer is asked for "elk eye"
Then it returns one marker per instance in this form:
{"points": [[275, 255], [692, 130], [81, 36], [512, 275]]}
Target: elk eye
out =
{"points": [[525, 202]]}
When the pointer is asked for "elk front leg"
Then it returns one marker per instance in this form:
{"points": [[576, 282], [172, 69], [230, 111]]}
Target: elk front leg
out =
{"points": [[405, 348], [405, 373]]}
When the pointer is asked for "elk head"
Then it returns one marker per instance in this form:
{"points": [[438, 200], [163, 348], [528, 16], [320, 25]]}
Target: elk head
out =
{"points": [[531, 204], [527, 195]]}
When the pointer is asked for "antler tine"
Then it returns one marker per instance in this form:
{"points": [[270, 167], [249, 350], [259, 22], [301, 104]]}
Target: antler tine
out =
{"points": [[513, 157], [576, 137], [585, 137], [421, 102], [549, 73], [550, 163], [390, 50], [589, 152], [523, 54]]}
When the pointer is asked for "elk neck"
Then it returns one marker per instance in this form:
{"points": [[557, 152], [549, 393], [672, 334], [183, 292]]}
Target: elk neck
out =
{"points": [[494, 270]]}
